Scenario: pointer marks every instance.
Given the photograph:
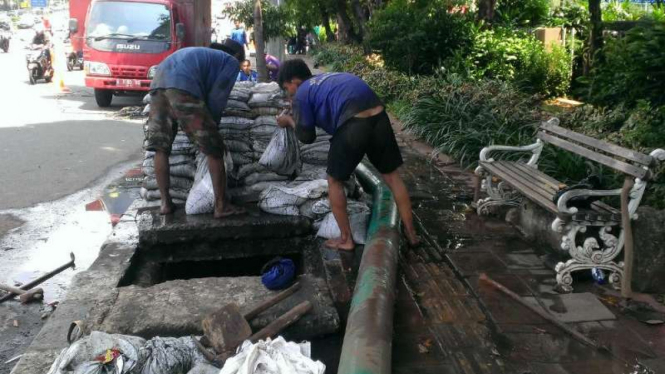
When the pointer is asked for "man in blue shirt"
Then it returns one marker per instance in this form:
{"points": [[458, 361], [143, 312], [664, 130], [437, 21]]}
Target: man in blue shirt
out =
{"points": [[246, 74], [239, 35], [345, 107], [190, 88]]}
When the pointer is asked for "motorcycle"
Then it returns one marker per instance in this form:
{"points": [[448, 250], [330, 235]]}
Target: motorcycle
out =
{"points": [[5, 36], [39, 66], [74, 58]]}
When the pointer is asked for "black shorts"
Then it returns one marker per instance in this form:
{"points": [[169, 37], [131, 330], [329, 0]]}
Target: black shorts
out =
{"points": [[358, 137]]}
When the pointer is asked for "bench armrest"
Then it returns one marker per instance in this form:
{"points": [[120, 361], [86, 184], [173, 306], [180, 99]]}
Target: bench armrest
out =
{"points": [[535, 148], [658, 154], [562, 203]]}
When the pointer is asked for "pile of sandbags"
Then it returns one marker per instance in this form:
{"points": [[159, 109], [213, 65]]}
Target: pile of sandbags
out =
{"points": [[182, 170], [247, 126]]}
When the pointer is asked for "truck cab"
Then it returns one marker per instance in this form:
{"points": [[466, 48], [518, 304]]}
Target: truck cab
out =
{"points": [[125, 41]]}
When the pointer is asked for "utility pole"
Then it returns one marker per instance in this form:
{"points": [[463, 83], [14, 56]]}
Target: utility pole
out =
{"points": [[260, 43]]}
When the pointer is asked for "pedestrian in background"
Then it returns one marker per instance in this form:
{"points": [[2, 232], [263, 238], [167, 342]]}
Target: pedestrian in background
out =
{"points": [[345, 107], [239, 35], [246, 74], [272, 64]]}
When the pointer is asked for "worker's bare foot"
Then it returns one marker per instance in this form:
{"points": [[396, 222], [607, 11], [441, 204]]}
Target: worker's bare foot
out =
{"points": [[338, 243], [167, 208], [412, 238], [228, 210]]}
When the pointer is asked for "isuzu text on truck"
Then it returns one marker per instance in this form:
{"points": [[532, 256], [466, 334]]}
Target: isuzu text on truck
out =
{"points": [[126, 40]]}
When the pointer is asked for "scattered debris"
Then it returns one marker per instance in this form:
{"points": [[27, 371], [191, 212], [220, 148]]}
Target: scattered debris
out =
{"points": [[424, 346], [25, 297], [13, 359], [43, 278], [15, 323]]}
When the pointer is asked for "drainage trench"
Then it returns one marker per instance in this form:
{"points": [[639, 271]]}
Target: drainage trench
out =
{"points": [[185, 268]]}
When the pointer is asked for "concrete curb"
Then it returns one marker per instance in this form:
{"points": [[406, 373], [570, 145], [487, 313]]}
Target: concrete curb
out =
{"points": [[367, 346]]}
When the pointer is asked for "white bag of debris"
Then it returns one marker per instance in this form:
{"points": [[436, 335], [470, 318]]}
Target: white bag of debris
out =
{"points": [[201, 199], [273, 357], [359, 214], [287, 200], [283, 153], [128, 355]]}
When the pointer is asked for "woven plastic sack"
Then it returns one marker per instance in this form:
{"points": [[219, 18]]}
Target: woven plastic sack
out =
{"points": [[287, 200], [201, 198], [283, 153]]}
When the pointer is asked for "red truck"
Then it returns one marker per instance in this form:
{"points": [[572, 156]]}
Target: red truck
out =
{"points": [[125, 40]]}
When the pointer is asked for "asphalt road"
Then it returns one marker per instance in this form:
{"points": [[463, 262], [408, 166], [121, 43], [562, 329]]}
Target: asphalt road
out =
{"points": [[58, 153], [54, 144]]}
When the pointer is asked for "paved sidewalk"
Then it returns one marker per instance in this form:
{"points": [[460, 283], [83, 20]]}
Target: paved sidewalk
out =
{"points": [[448, 322]]}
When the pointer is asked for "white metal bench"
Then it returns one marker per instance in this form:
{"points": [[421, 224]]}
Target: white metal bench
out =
{"points": [[509, 182]]}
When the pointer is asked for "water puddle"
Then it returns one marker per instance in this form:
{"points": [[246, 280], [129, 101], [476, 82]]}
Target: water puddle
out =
{"points": [[54, 230]]}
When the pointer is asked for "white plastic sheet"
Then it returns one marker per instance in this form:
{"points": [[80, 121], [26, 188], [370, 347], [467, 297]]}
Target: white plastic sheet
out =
{"points": [[273, 357]]}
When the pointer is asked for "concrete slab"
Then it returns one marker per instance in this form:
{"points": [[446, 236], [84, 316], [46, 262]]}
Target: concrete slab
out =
{"points": [[176, 308], [575, 307], [155, 229]]}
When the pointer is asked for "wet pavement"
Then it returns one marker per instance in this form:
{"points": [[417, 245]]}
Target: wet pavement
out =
{"points": [[37, 240], [448, 321]]}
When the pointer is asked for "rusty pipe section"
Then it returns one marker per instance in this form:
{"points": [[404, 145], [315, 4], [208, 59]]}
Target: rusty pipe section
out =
{"points": [[367, 346]]}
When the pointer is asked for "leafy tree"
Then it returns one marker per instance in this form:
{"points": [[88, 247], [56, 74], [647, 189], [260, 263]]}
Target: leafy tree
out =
{"points": [[275, 19]]}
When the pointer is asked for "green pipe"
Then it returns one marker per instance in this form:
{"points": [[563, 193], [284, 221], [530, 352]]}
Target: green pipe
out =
{"points": [[367, 346]]}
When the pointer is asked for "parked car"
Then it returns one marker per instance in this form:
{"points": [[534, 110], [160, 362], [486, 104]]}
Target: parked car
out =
{"points": [[25, 22]]}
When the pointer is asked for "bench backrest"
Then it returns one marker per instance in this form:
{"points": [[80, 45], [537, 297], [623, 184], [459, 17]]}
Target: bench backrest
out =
{"points": [[621, 159]]}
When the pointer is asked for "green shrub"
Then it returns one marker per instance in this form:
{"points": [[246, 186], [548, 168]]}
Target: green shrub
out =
{"points": [[417, 39], [630, 69], [522, 13], [515, 56], [463, 117]]}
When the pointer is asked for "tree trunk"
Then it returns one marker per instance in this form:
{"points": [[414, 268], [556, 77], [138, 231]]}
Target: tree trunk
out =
{"points": [[486, 10], [362, 27], [595, 34], [260, 43], [326, 25], [345, 26]]}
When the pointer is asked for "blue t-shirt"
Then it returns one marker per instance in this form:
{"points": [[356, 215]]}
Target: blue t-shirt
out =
{"points": [[239, 36], [329, 100], [253, 76], [205, 73]]}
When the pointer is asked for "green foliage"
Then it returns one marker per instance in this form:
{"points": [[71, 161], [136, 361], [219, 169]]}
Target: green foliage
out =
{"points": [[417, 39], [275, 19], [630, 69], [522, 13], [515, 56], [621, 11], [571, 15], [463, 117]]}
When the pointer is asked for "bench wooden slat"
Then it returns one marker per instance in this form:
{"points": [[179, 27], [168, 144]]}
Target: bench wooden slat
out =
{"points": [[613, 149], [598, 206], [594, 156], [538, 175], [540, 188], [519, 184]]}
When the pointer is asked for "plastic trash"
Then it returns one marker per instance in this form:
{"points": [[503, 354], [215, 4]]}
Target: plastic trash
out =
{"points": [[278, 274], [201, 198], [283, 153], [273, 357], [598, 275], [122, 354], [359, 214]]}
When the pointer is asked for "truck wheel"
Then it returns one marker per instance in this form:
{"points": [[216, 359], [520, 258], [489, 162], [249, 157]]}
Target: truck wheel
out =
{"points": [[103, 98]]}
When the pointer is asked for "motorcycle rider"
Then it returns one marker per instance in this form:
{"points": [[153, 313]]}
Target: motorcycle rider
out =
{"points": [[41, 41]]}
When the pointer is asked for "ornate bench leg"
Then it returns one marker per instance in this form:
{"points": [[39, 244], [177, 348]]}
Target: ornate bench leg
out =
{"points": [[588, 256], [498, 195]]}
